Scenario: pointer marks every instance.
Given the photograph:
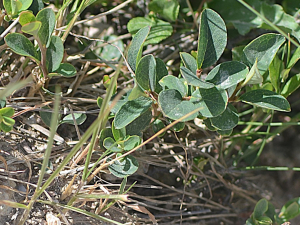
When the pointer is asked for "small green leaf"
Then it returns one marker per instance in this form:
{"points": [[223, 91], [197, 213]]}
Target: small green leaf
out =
{"points": [[290, 209], [25, 4], [139, 124], [7, 111], [105, 133], [212, 101], [212, 38], [47, 17], [161, 71], [178, 126], [168, 9], [136, 92], [227, 74], [172, 82], [160, 29], [266, 99], [131, 110], [6, 128], [189, 62], [79, 118], [26, 17], [227, 120], [119, 134], [99, 101], [253, 77], [32, 28], [274, 72], [54, 54], [19, 44], [120, 102], [135, 49], [260, 208], [192, 79], [263, 49], [264, 220], [174, 107], [146, 73], [124, 167], [132, 142], [8, 121], [46, 116], [295, 57], [111, 144], [66, 70], [209, 125], [291, 85]]}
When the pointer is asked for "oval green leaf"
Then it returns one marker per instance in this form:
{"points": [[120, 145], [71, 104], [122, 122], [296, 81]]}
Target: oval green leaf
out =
{"points": [[291, 85], [135, 49], [227, 74], [79, 118], [227, 120], [212, 101], [111, 145], [132, 110], [192, 79], [146, 73], [139, 124], [66, 70], [132, 142], [32, 28], [266, 99], [260, 208], [26, 17], [54, 54], [7, 111], [264, 49], [174, 107], [19, 44], [212, 38], [168, 9], [172, 82], [161, 71], [124, 167], [189, 62], [160, 29], [47, 17]]}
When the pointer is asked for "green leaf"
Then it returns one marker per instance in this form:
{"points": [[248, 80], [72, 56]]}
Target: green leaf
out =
{"points": [[292, 85], [189, 62], [139, 124], [227, 74], [212, 101], [295, 57], [253, 77], [109, 52], [178, 126], [105, 133], [290, 209], [47, 17], [36, 6], [111, 144], [120, 102], [274, 72], [131, 110], [132, 142], [32, 28], [25, 4], [212, 38], [26, 17], [227, 120], [7, 111], [46, 116], [161, 71], [79, 118], [8, 121], [168, 9], [172, 82], [174, 107], [209, 125], [119, 134], [192, 79], [263, 49], [136, 92], [6, 128], [266, 99], [66, 70], [160, 29], [146, 73], [135, 49], [260, 208], [19, 44], [264, 220], [124, 167], [54, 54]]}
